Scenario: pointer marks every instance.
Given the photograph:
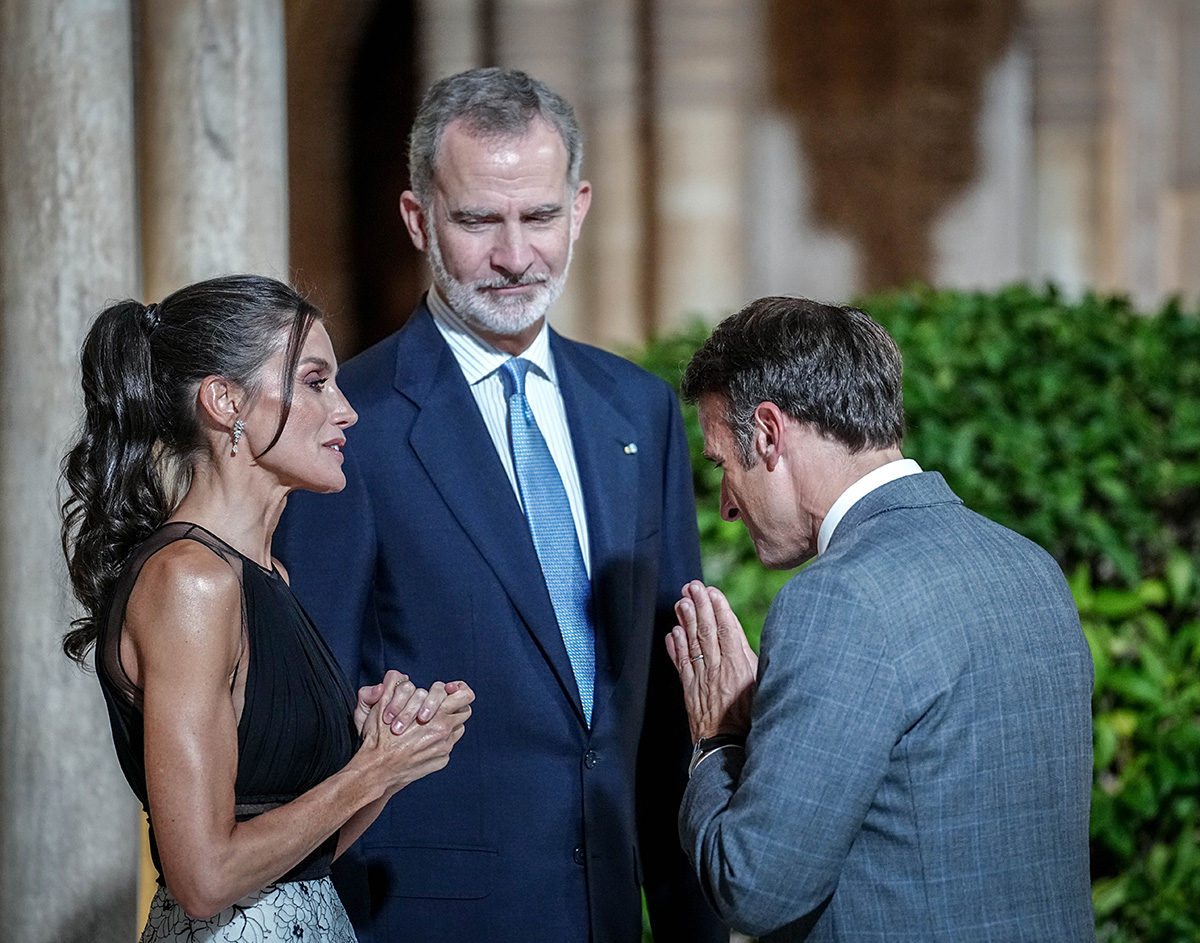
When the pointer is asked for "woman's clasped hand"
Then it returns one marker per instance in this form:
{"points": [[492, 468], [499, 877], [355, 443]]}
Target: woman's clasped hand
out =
{"points": [[407, 732]]}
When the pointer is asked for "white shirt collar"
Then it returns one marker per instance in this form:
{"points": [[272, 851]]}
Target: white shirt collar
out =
{"points": [[478, 358], [859, 490]]}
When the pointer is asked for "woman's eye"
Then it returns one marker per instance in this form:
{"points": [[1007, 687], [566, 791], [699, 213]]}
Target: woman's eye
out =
{"points": [[318, 383]]}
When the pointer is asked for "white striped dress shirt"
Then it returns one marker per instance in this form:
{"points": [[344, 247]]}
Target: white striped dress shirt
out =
{"points": [[480, 363]]}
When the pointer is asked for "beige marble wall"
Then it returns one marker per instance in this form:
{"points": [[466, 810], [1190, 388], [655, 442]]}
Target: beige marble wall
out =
{"points": [[1118, 146], [68, 242], [611, 304], [1089, 175], [545, 39]]}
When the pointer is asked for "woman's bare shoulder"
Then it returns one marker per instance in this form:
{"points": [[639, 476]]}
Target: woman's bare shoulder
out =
{"points": [[185, 591]]}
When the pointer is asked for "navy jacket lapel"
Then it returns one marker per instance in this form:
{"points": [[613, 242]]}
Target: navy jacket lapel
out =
{"points": [[451, 442], [601, 434]]}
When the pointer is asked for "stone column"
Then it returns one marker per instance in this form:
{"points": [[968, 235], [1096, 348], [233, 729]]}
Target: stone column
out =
{"points": [[703, 51], [1142, 44], [68, 241], [213, 141], [613, 270], [1181, 236], [1067, 108], [451, 39]]}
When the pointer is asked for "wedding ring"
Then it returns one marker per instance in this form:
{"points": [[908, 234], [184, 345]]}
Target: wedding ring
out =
{"points": [[698, 657]]}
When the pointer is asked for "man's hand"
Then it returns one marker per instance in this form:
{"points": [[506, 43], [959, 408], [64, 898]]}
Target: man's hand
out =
{"points": [[716, 665]]}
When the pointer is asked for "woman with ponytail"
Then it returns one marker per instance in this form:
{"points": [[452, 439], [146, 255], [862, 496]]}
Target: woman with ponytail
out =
{"points": [[255, 762]]}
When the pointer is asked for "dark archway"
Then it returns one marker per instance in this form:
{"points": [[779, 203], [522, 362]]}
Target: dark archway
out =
{"points": [[351, 87], [389, 274]]}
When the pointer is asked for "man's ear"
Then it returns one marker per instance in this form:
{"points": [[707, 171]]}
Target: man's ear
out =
{"points": [[221, 400], [579, 207], [770, 431], [415, 222]]}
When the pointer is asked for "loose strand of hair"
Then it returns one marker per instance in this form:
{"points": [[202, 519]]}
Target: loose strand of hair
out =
{"points": [[297, 335]]}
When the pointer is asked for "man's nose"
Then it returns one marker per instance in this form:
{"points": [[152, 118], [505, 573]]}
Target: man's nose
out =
{"points": [[512, 255], [729, 510]]}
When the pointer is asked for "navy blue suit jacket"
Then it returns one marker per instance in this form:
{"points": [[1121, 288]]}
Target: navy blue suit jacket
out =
{"points": [[538, 826]]}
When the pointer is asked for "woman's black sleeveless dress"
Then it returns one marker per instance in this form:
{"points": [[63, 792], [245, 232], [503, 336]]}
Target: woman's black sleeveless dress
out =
{"points": [[296, 729]]}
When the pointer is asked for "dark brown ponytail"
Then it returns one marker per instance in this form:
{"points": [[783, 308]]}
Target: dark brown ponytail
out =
{"points": [[142, 366]]}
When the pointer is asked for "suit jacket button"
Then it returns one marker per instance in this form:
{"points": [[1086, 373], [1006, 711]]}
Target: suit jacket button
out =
{"points": [[577, 855], [591, 758]]}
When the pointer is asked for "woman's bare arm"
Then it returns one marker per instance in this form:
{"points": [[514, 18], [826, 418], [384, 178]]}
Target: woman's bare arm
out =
{"points": [[181, 646]]}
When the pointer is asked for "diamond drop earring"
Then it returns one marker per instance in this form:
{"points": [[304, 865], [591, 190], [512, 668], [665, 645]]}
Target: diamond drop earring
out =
{"points": [[238, 428]]}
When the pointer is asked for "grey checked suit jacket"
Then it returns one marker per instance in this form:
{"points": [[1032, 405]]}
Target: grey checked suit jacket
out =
{"points": [[919, 760]]}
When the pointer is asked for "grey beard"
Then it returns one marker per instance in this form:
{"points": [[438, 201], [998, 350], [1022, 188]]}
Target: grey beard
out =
{"points": [[505, 316]]}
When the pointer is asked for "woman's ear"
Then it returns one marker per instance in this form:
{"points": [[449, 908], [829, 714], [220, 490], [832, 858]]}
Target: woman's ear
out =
{"points": [[221, 400]]}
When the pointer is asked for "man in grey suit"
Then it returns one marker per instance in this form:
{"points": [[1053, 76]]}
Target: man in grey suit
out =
{"points": [[911, 758]]}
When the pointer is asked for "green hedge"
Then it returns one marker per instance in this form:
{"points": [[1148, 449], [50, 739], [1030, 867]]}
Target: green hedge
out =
{"points": [[1078, 425], [1146, 794]]}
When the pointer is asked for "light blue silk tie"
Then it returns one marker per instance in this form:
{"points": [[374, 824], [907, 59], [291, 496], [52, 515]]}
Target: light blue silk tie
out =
{"points": [[553, 528]]}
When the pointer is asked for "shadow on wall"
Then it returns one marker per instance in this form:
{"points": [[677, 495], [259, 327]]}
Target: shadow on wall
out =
{"points": [[106, 915], [886, 98]]}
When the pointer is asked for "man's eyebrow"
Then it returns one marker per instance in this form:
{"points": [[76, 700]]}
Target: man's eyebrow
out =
{"points": [[546, 209], [468, 212]]}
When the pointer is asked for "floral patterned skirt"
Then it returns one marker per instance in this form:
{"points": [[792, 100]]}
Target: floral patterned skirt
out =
{"points": [[308, 911]]}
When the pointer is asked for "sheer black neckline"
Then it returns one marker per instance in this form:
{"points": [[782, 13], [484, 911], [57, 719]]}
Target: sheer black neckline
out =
{"points": [[272, 570]]}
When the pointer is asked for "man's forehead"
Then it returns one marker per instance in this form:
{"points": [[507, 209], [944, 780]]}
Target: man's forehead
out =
{"points": [[538, 140], [714, 425]]}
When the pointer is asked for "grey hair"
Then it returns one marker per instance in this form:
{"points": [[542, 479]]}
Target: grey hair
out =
{"points": [[827, 365], [494, 103]]}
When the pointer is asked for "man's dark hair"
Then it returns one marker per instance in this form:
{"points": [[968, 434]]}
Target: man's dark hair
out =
{"points": [[827, 365], [494, 103]]}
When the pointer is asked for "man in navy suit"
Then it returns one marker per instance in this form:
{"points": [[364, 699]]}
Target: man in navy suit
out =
{"points": [[560, 806], [911, 758]]}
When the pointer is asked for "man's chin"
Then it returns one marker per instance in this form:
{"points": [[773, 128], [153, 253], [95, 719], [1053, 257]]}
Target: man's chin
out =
{"points": [[507, 323], [777, 559]]}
